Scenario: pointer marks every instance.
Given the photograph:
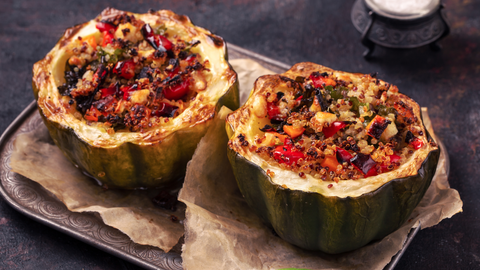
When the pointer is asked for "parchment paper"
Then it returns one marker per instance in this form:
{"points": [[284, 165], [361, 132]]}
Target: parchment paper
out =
{"points": [[132, 212], [221, 232]]}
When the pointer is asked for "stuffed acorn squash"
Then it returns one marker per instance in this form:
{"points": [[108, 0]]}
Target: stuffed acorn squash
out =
{"points": [[331, 160], [127, 97]]}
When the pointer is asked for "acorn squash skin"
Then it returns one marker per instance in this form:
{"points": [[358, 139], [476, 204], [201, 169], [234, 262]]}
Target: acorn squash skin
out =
{"points": [[130, 165], [136, 164], [333, 225]]}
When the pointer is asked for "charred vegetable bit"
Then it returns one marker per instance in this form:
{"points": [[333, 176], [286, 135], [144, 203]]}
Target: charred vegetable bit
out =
{"points": [[405, 112], [376, 127], [164, 110], [321, 100], [413, 141], [118, 81], [363, 162], [72, 75], [326, 127], [409, 137], [157, 41], [267, 128], [84, 103], [125, 69]]}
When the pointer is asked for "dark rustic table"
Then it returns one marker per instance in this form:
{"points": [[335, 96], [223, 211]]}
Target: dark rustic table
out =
{"points": [[447, 82]]}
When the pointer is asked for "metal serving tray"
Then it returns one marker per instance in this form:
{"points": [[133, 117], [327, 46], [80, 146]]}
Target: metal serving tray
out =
{"points": [[32, 200]]}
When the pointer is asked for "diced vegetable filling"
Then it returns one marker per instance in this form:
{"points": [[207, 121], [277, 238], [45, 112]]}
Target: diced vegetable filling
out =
{"points": [[334, 129], [131, 76]]}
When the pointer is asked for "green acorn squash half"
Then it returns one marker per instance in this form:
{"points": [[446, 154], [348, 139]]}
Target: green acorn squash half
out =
{"points": [[315, 214], [147, 158]]}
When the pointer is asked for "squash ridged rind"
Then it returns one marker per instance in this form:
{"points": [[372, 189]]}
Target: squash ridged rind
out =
{"points": [[321, 219]]}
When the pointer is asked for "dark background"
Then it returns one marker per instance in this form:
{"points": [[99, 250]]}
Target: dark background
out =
{"points": [[447, 82]]}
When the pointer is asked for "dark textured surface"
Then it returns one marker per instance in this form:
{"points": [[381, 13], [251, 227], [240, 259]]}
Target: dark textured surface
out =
{"points": [[447, 82]]}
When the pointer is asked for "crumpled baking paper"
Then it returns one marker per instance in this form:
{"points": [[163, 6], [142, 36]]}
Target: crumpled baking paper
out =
{"points": [[36, 157], [221, 232]]}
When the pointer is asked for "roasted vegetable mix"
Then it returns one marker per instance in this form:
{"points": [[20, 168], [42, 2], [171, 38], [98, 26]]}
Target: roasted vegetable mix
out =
{"points": [[127, 97], [331, 160]]}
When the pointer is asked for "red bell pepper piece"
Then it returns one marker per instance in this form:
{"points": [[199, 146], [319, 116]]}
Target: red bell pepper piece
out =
{"points": [[93, 114], [416, 143], [343, 155], [394, 158], [105, 27], [107, 39], [107, 30], [413, 141], [174, 72], [108, 91], [125, 69], [319, 81], [164, 42], [177, 91], [127, 90], [165, 110], [371, 172], [273, 111], [363, 163], [333, 128], [285, 154]]}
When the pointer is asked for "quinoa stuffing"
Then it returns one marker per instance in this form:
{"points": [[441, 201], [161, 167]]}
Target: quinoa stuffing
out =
{"points": [[130, 76], [332, 127]]}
